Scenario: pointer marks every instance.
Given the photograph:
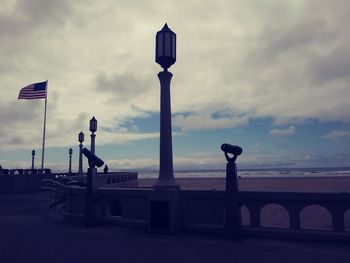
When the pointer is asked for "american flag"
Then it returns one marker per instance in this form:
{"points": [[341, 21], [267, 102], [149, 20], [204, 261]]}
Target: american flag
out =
{"points": [[33, 91]]}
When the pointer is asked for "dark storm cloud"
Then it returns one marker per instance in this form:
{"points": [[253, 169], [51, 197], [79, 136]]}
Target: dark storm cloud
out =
{"points": [[248, 58], [69, 127], [278, 40], [122, 87], [19, 118], [319, 39], [19, 112], [27, 16], [299, 53], [333, 66]]}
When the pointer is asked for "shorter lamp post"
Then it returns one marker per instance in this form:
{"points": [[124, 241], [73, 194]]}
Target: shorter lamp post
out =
{"points": [[33, 157], [81, 140], [233, 219], [70, 160], [93, 129]]}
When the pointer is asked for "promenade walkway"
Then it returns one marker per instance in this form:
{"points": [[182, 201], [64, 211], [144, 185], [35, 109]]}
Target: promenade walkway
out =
{"points": [[29, 232]]}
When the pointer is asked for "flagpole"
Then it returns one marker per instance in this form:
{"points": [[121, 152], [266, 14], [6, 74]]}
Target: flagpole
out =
{"points": [[44, 130]]}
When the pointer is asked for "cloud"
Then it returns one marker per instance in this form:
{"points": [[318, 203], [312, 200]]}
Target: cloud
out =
{"points": [[283, 132], [206, 122], [337, 134], [237, 65], [123, 87]]}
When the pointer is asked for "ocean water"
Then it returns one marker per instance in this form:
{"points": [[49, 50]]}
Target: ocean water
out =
{"points": [[270, 172]]}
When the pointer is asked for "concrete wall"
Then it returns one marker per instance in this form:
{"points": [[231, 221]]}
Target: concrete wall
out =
{"points": [[22, 180], [204, 210], [27, 180], [104, 180]]}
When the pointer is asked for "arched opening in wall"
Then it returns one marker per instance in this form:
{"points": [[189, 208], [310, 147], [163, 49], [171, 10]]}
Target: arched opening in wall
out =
{"points": [[116, 208], [274, 215], [245, 215], [315, 217], [347, 220]]}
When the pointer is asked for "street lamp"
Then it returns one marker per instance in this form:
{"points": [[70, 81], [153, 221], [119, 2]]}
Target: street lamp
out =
{"points": [[33, 157], [165, 56], [81, 140], [165, 47], [93, 129], [70, 160]]}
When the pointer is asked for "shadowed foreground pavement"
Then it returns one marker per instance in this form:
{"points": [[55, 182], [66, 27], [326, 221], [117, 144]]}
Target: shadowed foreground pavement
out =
{"points": [[29, 232]]}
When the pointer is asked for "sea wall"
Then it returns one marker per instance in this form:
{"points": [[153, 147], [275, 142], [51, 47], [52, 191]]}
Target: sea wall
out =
{"points": [[281, 214]]}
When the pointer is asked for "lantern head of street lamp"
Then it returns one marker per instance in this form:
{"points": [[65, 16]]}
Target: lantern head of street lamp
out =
{"points": [[33, 153], [81, 137], [165, 47], [93, 125], [70, 151]]}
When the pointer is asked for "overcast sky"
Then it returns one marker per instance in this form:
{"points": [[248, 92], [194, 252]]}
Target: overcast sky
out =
{"points": [[272, 76]]}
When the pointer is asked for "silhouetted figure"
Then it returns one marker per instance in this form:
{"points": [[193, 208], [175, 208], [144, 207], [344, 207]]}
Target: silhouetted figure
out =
{"points": [[105, 169]]}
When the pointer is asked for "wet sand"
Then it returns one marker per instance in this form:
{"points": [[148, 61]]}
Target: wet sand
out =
{"points": [[274, 184]]}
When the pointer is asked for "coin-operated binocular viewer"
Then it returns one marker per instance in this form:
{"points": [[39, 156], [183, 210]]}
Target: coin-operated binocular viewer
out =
{"points": [[91, 207], [233, 219]]}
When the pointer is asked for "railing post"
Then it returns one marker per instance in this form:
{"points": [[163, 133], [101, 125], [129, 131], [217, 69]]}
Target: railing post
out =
{"points": [[337, 218], [294, 216], [255, 215]]}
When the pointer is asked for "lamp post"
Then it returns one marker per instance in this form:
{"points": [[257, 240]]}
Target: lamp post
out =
{"points": [[70, 160], [165, 56], [33, 157], [93, 129], [81, 140]]}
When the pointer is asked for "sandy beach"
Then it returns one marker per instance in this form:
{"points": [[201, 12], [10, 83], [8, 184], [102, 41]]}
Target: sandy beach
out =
{"points": [[275, 184]]}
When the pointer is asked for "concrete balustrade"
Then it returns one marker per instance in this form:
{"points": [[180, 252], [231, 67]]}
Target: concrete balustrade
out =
{"points": [[22, 180], [335, 203], [204, 211], [29, 180]]}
